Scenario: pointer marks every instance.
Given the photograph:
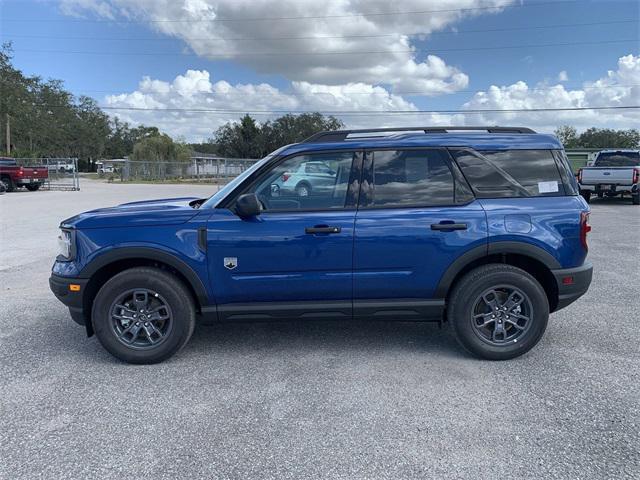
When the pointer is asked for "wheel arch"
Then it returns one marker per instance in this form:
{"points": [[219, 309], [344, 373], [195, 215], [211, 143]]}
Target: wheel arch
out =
{"points": [[534, 260], [109, 264]]}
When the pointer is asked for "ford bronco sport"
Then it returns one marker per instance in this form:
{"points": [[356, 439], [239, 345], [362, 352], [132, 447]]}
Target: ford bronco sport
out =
{"points": [[481, 227]]}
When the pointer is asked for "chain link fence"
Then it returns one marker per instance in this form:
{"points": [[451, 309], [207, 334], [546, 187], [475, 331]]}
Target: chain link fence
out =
{"points": [[216, 170], [62, 172]]}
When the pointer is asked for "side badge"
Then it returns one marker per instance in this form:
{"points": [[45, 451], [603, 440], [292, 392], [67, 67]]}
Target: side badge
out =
{"points": [[230, 262]]}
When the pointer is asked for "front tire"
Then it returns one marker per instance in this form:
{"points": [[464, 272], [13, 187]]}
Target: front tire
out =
{"points": [[303, 190], [143, 315], [498, 311]]}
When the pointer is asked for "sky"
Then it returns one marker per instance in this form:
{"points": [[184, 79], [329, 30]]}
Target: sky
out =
{"points": [[189, 66]]}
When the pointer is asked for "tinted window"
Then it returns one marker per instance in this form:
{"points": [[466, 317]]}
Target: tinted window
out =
{"points": [[411, 177], [618, 159], [294, 184], [511, 173]]}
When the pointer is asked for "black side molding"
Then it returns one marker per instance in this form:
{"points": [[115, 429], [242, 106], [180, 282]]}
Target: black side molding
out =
{"points": [[202, 239]]}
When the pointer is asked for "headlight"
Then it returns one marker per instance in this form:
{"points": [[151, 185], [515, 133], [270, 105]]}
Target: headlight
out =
{"points": [[65, 244]]}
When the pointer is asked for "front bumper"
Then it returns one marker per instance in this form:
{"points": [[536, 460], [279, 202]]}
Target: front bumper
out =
{"points": [[61, 288], [572, 283]]}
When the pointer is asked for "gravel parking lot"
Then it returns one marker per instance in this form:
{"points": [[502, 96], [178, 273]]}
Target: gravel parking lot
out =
{"points": [[314, 400]]}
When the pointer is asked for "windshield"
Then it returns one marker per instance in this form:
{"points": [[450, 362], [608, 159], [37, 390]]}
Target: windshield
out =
{"points": [[618, 159], [220, 194]]}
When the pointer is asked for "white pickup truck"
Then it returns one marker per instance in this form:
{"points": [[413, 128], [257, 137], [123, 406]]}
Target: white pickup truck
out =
{"points": [[613, 173]]}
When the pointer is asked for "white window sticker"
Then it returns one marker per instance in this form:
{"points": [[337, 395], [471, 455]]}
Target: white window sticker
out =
{"points": [[547, 187]]}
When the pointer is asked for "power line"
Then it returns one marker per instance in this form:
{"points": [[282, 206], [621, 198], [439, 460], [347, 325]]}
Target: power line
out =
{"points": [[287, 54], [304, 17], [386, 92], [361, 112], [322, 37]]}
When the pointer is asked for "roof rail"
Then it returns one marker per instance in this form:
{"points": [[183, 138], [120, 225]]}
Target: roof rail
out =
{"points": [[341, 135]]}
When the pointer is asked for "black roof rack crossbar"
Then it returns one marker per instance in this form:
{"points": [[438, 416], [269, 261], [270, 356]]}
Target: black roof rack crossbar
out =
{"points": [[341, 135]]}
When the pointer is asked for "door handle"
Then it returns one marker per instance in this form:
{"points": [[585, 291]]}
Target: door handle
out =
{"points": [[444, 226], [322, 229]]}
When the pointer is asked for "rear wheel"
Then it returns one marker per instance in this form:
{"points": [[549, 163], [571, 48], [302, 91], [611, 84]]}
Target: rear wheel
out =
{"points": [[143, 315], [498, 311], [33, 187], [8, 184], [635, 199], [586, 194]]}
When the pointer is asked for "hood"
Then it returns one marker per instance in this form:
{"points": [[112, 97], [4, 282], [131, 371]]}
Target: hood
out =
{"points": [[168, 211]]}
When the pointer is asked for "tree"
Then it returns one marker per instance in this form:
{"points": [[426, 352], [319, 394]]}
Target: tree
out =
{"points": [[567, 135], [248, 139], [607, 138], [160, 148]]}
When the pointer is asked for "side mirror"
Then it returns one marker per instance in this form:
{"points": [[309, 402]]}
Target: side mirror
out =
{"points": [[248, 205]]}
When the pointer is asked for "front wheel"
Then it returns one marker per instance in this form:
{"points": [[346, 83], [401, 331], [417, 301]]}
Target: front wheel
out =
{"points": [[143, 315], [498, 311], [303, 190]]}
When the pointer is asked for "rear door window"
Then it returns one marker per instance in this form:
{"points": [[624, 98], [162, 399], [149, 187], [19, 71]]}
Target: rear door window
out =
{"points": [[411, 178], [511, 173]]}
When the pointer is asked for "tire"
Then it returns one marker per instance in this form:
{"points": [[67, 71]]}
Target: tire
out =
{"points": [[600, 195], [466, 306], [161, 288], [586, 194], [32, 188], [635, 199], [303, 189], [8, 183]]}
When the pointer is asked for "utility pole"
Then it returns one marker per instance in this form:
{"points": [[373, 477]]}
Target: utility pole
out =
{"points": [[8, 136]]}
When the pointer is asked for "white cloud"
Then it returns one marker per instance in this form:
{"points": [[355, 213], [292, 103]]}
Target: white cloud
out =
{"points": [[196, 90], [563, 76], [619, 87], [325, 49]]}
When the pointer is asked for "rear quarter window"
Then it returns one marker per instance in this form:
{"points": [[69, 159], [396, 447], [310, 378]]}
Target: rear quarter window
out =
{"points": [[511, 173]]}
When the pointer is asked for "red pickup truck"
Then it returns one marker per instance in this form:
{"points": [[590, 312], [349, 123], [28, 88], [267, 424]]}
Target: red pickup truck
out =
{"points": [[15, 176]]}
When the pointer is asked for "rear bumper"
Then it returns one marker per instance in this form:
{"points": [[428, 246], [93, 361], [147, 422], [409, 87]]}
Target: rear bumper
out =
{"points": [[60, 286], [613, 188], [579, 278], [30, 181]]}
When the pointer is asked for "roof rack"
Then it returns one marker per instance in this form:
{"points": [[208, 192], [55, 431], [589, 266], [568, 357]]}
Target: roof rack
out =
{"points": [[341, 135]]}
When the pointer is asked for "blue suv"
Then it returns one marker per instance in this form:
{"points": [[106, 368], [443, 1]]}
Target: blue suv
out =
{"points": [[480, 227]]}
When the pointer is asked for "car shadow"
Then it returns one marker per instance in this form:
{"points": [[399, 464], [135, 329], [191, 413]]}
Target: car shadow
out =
{"points": [[626, 201], [330, 335]]}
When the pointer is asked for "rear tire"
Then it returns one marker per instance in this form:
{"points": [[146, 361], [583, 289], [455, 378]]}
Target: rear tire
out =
{"points": [[127, 313], [493, 326], [8, 184], [635, 199], [586, 194], [33, 188]]}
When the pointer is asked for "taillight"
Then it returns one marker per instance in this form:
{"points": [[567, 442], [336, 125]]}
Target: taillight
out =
{"points": [[285, 177], [636, 175], [20, 171], [580, 176], [584, 229]]}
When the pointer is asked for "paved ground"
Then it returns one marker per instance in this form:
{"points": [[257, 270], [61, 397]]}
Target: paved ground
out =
{"points": [[320, 400]]}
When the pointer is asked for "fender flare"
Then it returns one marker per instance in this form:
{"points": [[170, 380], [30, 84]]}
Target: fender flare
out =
{"points": [[493, 248], [146, 253]]}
